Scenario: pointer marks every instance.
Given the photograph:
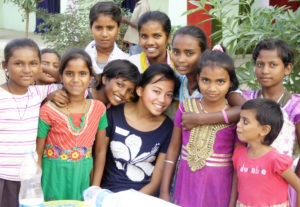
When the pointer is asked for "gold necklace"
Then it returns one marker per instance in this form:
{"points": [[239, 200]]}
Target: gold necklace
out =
{"points": [[278, 100], [19, 112], [76, 131], [204, 111], [83, 108]]}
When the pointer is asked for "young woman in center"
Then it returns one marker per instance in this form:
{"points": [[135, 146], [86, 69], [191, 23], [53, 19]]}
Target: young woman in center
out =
{"points": [[139, 134], [205, 168]]}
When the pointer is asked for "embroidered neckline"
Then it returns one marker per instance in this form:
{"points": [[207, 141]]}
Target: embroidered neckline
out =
{"points": [[75, 131], [81, 122], [201, 140]]}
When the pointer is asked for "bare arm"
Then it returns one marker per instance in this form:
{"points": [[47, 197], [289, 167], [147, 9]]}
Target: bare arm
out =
{"points": [[40, 145], [170, 164], [297, 170], [127, 21], [235, 99], [59, 97], [53, 72], [191, 119], [152, 187], [294, 181], [100, 148], [234, 192]]}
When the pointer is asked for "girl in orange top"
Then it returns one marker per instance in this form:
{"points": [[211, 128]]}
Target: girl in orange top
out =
{"points": [[66, 135]]}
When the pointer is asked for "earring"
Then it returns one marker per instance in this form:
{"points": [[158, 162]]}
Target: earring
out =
{"points": [[6, 72]]}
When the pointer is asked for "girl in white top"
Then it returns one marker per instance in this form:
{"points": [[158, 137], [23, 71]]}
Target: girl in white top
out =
{"points": [[105, 19]]}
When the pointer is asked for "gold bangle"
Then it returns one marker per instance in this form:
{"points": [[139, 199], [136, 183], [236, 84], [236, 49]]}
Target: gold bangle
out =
{"points": [[169, 161]]}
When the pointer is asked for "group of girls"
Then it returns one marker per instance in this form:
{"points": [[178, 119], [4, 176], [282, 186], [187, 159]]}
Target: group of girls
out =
{"points": [[134, 145]]}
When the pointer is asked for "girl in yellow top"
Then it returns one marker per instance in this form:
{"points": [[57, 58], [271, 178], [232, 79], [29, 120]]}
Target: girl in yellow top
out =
{"points": [[154, 32]]}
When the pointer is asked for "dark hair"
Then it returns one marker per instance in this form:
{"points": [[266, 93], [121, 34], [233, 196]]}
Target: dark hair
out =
{"points": [[156, 16], [283, 49], [73, 54], [20, 43], [219, 59], [195, 32], [268, 112], [166, 73], [51, 51], [108, 8], [120, 68]]}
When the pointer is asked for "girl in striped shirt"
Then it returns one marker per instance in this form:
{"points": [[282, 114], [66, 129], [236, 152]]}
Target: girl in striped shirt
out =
{"points": [[19, 111]]}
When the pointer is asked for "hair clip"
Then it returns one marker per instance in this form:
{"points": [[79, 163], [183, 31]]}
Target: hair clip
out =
{"points": [[218, 48]]}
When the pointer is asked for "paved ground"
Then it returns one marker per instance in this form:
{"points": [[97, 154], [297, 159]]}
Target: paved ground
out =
{"points": [[6, 36]]}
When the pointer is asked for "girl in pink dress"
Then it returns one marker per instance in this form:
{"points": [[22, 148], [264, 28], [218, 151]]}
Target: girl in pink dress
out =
{"points": [[205, 167], [262, 173]]}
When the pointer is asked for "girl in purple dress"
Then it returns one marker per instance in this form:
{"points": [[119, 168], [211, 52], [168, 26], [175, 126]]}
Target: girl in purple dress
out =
{"points": [[205, 169]]}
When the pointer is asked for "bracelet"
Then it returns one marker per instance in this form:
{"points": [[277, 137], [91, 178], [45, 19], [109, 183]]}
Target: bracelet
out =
{"points": [[169, 161], [225, 116]]}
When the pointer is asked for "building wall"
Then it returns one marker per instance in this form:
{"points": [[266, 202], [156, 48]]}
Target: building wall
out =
{"points": [[12, 18], [175, 12]]}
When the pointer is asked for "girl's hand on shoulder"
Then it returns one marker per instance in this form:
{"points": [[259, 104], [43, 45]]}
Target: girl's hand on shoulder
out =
{"points": [[59, 97]]}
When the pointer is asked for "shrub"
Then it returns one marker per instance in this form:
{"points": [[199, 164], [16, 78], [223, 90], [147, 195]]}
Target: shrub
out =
{"points": [[71, 29], [242, 32]]}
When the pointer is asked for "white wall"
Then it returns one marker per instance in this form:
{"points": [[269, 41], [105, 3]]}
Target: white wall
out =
{"points": [[12, 18], [176, 9]]}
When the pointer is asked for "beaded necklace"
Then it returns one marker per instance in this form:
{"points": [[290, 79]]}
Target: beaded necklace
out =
{"points": [[19, 111]]}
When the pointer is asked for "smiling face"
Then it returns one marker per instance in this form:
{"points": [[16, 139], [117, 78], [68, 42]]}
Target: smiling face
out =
{"points": [[105, 31], [153, 40], [214, 83], [270, 70], [156, 96], [22, 67], [186, 53], [118, 90], [76, 77], [49, 60]]}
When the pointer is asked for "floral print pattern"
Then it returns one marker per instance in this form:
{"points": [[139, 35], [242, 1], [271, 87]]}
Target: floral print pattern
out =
{"points": [[74, 154], [127, 157]]}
